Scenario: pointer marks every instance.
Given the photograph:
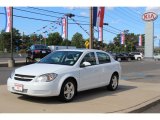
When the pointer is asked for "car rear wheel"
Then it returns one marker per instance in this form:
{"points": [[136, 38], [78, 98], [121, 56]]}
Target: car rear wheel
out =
{"points": [[68, 91], [129, 59], [113, 82]]}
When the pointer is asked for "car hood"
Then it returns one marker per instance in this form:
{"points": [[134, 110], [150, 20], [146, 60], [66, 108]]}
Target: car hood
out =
{"points": [[39, 69]]}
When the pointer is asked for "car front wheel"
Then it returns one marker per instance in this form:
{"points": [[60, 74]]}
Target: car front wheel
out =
{"points": [[138, 58], [113, 83], [68, 91]]}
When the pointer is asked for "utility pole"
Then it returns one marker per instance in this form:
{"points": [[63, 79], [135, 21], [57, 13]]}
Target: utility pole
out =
{"points": [[11, 61], [68, 15], [91, 28]]}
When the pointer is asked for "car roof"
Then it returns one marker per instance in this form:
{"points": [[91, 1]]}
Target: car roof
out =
{"points": [[82, 50]]}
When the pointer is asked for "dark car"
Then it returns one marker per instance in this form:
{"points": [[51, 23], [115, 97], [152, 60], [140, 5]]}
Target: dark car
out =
{"points": [[130, 56], [37, 51], [123, 56]]}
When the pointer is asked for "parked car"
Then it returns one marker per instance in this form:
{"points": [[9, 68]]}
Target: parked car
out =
{"points": [[130, 56], [63, 73], [137, 55], [122, 57], [156, 57], [37, 51]]}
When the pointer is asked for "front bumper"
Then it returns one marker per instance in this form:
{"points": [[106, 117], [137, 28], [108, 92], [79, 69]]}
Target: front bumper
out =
{"points": [[39, 89]]}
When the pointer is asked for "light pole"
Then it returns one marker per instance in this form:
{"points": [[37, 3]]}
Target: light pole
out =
{"points": [[11, 62], [70, 15], [91, 28]]}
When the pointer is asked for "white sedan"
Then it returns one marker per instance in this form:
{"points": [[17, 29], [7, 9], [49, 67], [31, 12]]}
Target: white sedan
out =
{"points": [[63, 73], [156, 57]]}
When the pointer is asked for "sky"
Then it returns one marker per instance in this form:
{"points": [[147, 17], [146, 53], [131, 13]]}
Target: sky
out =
{"points": [[118, 18]]}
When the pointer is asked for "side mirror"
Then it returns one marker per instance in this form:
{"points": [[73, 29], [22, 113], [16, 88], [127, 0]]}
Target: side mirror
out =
{"points": [[85, 64]]}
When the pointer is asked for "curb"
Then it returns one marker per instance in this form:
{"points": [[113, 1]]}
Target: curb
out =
{"points": [[17, 63], [147, 106], [139, 108]]}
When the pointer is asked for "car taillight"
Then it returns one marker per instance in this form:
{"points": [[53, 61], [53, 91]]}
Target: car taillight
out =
{"points": [[37, 51]]}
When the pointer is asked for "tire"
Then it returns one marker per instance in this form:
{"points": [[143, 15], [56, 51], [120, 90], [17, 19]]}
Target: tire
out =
{"points": [[113, 85], [68, 91], [28, 60], [129, 59], [119, 59], [138, 58]]}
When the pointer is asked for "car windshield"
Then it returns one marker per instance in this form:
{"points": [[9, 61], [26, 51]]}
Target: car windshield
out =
{"points": [[62, 58]]}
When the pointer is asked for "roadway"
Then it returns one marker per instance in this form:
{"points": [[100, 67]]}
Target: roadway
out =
{"points": [[133, 73]]}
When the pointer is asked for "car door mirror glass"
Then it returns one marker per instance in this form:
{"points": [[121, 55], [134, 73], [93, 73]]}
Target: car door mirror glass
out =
{"points": [[85, 64]]}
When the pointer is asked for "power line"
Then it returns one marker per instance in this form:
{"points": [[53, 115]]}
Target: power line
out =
{"points": [[55, 12], [41, 19], [80, 26], [125, 12], [124, 21], [109, 31], [36, 13], [135, 11], [115, 28]]}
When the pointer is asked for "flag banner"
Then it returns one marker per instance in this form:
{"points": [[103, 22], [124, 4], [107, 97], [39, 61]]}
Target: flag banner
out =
{"points": [[140, 40], [8, 19], [122, 38], [100, 33], [100, 16], [94, 16], [64, 28]]}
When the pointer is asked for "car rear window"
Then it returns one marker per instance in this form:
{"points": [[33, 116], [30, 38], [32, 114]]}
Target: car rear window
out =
{"points": [[37, 47]]}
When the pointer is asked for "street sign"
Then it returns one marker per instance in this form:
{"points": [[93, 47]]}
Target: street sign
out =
{"points": [[86, 44], [149, 16]]}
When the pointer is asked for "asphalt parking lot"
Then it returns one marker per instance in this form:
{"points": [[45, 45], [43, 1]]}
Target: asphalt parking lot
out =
{"points": [[139, 77]]}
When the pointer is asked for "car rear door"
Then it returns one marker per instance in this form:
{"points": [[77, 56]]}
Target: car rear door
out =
{"points": [[89, 75], [105, 67]]}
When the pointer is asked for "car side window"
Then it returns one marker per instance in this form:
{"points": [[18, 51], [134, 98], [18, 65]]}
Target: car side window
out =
{"points": [[32, 47], [89, 57], [103, 58]]}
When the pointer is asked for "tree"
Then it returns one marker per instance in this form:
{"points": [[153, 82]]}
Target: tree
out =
{"points": [[54, 39], [6, 39], [131, 43], [66, 43], [78, 41]]}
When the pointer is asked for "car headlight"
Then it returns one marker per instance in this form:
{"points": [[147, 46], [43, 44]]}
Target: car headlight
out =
{"points": [[46, 77], [12, 74]]}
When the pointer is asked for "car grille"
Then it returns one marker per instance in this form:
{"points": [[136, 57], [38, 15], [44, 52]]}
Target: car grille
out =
{"points": [[23, 77]]}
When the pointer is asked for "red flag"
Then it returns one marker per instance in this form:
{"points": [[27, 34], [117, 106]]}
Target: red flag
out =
{"points": [[100, 16]]}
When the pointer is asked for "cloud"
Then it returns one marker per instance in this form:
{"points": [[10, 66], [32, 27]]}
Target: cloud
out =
{"points": [[84, 14], [70, 8], [109, 8], [153, 9], [117, 21]]}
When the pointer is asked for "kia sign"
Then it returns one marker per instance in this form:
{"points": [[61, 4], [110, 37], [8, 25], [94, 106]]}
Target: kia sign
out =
{"points": [[149, 16]]}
